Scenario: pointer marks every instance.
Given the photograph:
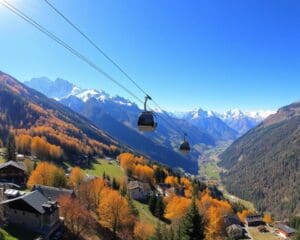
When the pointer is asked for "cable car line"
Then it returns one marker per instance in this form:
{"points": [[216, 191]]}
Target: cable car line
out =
{"points": [[96, 46], [65, 45], [73, 25], [82, 57]]}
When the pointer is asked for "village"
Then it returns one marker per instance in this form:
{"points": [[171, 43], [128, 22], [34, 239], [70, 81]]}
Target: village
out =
{"points": [[36, 208]]}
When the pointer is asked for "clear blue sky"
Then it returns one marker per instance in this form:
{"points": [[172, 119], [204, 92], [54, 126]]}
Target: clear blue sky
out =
{"points": [[210, 54]]}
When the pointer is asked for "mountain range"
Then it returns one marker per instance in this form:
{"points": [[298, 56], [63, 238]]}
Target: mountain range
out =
{"points": [[263, 166], [118, 117]]}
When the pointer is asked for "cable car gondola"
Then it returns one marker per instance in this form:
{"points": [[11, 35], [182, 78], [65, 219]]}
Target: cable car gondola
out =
{"points": [[185, 146], [147, 120]]}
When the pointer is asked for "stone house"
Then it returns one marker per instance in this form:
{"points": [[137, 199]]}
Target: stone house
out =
{"points": [[32, 211], [138, 190]]}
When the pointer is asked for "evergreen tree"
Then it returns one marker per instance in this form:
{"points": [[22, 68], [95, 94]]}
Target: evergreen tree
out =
{"points": [[192, 224], [159, 207], [152, 203], [114, 184], [159, 175], [10, 148]]}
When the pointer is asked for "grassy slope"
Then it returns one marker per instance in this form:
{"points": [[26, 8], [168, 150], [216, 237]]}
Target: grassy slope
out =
{"points": [[16, 233], [110, 168], [144, 213]]}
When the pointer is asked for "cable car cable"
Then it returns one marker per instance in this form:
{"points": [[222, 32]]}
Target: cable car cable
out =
{"points": [[107, 57], [95, 46], [42, 29], [65, 45]]}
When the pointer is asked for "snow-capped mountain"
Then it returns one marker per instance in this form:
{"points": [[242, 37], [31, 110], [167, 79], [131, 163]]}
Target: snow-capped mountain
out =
{"points": [[238, 121], [210, 122], [118, 117], [57, 89], [243, 121]]}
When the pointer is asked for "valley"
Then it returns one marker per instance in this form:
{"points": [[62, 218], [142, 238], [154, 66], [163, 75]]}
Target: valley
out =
{"points": [[103, 151]]}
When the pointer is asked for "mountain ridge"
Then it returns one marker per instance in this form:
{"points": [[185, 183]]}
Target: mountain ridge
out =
{"points": [[263, 165], [236, 126]]}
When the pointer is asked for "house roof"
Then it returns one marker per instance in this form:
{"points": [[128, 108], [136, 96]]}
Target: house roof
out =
{"points": [[234, 227], [254, 218], [52, 192], [13, 164], [231, 220], [34, 199], [137, 184], [285, 228]]}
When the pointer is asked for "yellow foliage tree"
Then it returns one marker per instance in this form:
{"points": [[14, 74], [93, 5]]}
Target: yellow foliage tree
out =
{"points": [[114, 211], [188, 187], [242, 215], [173, 181], [176, 207], [213, 211], [90, 192], [47, 174], [267, 218], [76, 177], [143, 231], [144, 173]]}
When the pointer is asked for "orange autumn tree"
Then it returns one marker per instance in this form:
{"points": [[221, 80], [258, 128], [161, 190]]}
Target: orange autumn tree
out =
{"points": [[267, 218], [44, 150], [176, 207], [143, 231], [114, 211], [90, 192], [23, 143], [77, 218], [173, 181], [213, 211], [188, 187], [242, 215], [76, 177], [144, 173], [127, 162], [47, 174]]}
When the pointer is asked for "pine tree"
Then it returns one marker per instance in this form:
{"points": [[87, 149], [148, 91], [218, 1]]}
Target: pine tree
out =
{"points": [[10, 148], [159, 207], [114, 184], [152, 203], [192, 224]]}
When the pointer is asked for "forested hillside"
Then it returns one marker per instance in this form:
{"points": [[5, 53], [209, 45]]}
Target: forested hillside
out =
{"points": [[46, 128], [264, 165]]}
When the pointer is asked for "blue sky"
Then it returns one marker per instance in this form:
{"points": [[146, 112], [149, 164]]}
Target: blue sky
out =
{"points": [[186, 54]]}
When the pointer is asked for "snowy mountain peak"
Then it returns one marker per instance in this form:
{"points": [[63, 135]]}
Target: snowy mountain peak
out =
{"points": [[87, 94], [233, 114], [261, 114]]}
